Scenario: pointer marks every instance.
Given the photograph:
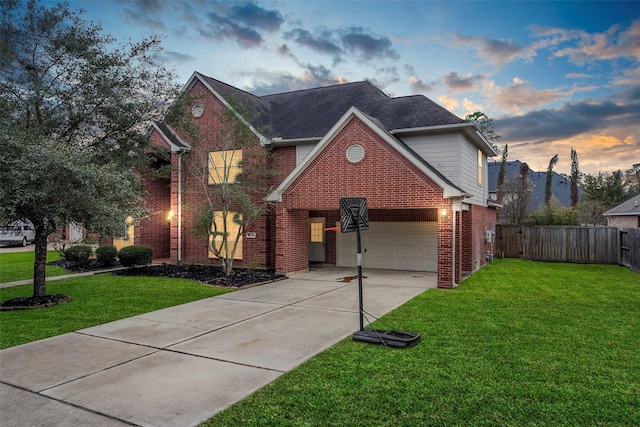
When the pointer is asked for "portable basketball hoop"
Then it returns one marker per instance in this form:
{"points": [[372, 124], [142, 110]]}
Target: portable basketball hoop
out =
{"points": [[354, 217]]}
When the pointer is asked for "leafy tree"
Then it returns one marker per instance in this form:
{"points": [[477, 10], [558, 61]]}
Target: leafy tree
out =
{"points": [[553, 214], [632, 180], [486, 127], [608, 188], [575, 177], [232, 194], [74, 106], [501, 173], [547, 189]]}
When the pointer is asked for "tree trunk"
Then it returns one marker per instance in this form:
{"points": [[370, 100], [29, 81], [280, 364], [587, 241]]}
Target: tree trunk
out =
{"points": [[40, 263]]}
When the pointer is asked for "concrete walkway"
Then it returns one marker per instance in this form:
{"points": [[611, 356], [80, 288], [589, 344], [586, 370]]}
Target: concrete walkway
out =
{"points": [[181, 365]]}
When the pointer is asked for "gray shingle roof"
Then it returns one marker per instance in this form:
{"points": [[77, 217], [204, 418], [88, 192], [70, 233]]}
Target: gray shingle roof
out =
{"points": [[629, 208], [311, 113]]}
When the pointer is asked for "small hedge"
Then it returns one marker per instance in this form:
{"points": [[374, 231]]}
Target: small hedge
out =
{"points": [[131, 256], [80, 254], [106, 255]]}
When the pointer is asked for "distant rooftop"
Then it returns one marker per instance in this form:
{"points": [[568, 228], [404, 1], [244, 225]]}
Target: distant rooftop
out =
{"points": [[560, 185]]}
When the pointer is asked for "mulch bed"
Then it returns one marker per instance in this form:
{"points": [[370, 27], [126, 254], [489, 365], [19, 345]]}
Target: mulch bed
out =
{"points": [[209, 274], [26, 303]]}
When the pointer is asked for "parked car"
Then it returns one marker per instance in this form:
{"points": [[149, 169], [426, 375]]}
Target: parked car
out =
{"points": [[17, 233]]}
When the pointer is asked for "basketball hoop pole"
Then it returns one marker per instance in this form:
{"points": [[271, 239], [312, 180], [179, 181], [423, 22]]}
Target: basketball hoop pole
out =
{"points": [[355, 215]]}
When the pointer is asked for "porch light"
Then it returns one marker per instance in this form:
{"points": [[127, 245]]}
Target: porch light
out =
{"points": [[444, 213], [170, 216]]}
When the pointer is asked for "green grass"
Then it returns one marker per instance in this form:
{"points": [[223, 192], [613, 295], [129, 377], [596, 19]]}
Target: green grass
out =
{"points": [[16, 266], [518, 343], [97, 299]]}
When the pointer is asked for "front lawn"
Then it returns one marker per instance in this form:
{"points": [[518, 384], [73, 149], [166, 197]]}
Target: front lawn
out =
{"points": [[518, 343], [97, 299], [16, 266]]}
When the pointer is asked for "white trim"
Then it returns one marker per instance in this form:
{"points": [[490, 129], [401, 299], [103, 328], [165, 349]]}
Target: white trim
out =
{"points": [[467, 126], [174, 148], [276, 196]]}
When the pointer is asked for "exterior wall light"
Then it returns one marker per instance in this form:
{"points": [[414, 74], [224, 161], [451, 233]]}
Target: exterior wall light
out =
{"points": [[444, 213], [170, 216]]}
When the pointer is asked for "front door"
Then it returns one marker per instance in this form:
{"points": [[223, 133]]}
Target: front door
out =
{"points": [[316, 240]]}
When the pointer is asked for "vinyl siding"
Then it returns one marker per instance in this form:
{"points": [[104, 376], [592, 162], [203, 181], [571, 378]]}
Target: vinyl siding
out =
{"points": [[456, 158], [302, 150], [441, 151]]}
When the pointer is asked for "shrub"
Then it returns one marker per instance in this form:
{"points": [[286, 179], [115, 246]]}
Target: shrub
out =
{"points": [[80, 254], [106, 255], [135, 255]]}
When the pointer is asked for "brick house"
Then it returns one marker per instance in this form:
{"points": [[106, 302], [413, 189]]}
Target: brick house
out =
{"points": [[422, 170], [625, 215]]}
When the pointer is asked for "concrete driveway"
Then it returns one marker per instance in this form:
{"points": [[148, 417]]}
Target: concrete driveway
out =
{"points": [[182, 365]]}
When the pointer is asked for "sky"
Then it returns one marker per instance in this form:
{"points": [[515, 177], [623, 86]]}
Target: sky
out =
{"points": [[551, 75]]}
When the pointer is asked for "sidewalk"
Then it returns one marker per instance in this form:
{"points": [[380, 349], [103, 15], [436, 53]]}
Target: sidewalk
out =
{"points": [[182, 365]]}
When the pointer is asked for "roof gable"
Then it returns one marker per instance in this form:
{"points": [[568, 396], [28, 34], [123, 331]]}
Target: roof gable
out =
{"points": [[449, 189]]}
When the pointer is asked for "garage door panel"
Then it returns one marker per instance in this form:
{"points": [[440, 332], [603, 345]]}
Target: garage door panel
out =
{"points": [[392, 246]]}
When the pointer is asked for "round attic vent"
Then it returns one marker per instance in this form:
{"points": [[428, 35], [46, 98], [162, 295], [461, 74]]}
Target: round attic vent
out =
{"points": [[355, 153]]}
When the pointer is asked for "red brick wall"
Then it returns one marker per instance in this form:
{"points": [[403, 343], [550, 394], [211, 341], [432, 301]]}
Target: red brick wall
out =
{"points": [[258, 251], [292, 240], [384, 176], [154, 230], [388, 181]]}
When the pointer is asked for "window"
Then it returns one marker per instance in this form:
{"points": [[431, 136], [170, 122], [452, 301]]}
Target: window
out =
{"points": [[224, 166], [480, 168], [230, 229]]}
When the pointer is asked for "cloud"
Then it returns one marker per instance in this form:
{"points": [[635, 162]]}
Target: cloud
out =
{"points": [[177, 57], [145, 13], [267, 82], [367, 46], [458, 83], [573, 119], [418, 86], [243, 23], [322, 42], [521, 96], [283, 50], [614, 43], [252, 15], [448, 102], [496, 52]]}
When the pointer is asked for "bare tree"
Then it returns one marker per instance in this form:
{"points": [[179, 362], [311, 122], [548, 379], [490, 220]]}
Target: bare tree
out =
{"points": [[233, 176], [548, 185], [575, 177], [501, 173]]}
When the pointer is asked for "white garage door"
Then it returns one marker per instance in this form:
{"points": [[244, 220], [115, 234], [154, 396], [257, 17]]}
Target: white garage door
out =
{"points": [[392, 246]]}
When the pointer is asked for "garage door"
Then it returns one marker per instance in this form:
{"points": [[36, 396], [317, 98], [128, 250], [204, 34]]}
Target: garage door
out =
{"points": [[392, 246]]}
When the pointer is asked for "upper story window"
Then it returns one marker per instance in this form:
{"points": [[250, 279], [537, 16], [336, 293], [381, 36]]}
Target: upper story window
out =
{"points": [[480, 167], [224, 166]]}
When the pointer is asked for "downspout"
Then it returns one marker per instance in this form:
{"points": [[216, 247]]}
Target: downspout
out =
{"points": [[453, 244], [180, 153]]}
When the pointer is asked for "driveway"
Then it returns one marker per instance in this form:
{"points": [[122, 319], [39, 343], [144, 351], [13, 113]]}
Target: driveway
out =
{"points": [[181, 365]]}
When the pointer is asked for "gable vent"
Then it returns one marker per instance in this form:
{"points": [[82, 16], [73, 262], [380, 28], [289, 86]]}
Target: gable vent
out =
{"points": [[355, 153]]}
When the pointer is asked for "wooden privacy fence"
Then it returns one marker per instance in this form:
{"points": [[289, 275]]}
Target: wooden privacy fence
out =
{"points": [[630, 248], [593, 245]]}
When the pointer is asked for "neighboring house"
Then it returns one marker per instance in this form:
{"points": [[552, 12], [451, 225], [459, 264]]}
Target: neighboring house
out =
{"points": [[560, 185], [625, 215], [422, 170]]}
